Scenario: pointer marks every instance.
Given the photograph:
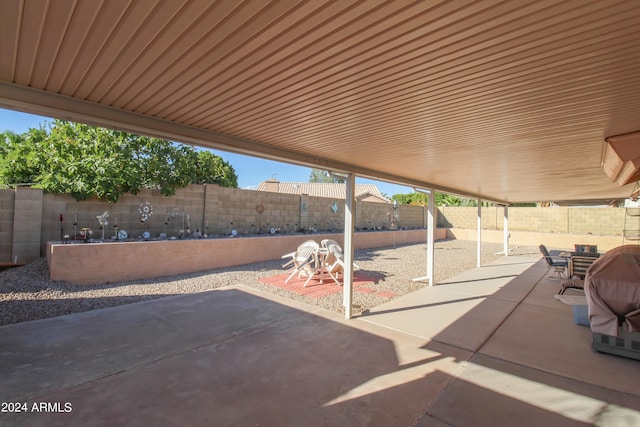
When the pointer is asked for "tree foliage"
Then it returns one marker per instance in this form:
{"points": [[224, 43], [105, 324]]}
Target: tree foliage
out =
{"points": [[441, 199], [18, 158], [85, 161], [211, 169], [319, 175]]}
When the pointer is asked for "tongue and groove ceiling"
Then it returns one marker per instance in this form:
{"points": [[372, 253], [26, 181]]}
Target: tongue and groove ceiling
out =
{"points": [[509, 101]]}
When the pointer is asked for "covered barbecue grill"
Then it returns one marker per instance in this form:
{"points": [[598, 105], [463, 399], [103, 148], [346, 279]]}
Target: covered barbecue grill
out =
{"points": [[612, 287]]}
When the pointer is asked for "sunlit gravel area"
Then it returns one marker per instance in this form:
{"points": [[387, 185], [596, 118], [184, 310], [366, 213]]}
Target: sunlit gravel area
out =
{"points": [[26, 293]]}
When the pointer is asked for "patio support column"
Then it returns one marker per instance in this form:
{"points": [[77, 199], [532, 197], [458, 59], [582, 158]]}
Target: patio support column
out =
{"points": [[479, 241], [506, 230], [431, 225], [349, 213]]}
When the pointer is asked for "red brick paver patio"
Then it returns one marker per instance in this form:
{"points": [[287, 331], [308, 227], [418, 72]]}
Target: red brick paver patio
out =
{"points": [[317, 288]]}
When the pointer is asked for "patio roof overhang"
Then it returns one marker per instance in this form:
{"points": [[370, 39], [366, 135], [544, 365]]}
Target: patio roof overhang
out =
{"points": [[504, 101]]}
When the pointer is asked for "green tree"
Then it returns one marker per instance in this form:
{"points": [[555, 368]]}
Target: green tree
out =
{"points": [[447, 200], [318, 175], [212, 169], [19, 161], [84, 161], [442, 199], [416, 199], [422, 199]]}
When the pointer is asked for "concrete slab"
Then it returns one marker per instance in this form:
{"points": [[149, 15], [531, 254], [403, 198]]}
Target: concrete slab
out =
{"points": [[447, 317], [429, 421], [520, 274], [548, 339], [463, 311], [225, 357], [454, 355], [80, 347], [535, 364], [542, 294], [492, 392]]}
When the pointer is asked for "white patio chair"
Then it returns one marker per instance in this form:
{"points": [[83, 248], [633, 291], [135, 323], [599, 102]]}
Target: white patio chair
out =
{"points": [[333, 263], [293, 254], [304, 260], [326, 242]]}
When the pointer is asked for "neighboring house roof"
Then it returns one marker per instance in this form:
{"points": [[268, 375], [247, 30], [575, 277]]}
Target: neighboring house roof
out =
{"points": [[364, 192]]}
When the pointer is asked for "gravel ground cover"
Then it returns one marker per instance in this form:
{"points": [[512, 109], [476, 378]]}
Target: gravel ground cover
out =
{"points": [[27, 293]]}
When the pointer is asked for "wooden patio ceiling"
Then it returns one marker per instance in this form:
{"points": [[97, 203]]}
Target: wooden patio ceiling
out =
{"points": [[509, 101]]}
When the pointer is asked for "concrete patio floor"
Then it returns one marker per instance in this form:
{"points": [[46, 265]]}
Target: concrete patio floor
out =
{"points": [[489, 347]]}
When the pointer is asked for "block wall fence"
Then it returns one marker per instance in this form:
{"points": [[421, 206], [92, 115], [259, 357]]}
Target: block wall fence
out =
{"points": [[570, 220], [30, 218]]}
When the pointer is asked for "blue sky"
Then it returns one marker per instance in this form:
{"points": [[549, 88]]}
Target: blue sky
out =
{"points": [[250, 170]]}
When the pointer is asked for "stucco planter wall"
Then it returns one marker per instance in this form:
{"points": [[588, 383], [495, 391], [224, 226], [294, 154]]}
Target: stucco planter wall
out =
{"points": [[97, 263]]}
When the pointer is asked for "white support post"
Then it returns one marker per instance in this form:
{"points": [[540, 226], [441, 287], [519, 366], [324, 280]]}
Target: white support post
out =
{"points": [[479, 241], [349, 212], [506, 230], [430, 235], [431, 226]]}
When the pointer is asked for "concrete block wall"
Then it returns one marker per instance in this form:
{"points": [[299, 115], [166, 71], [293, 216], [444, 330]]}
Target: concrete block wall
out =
{"points": [[600, 221], [321, 216], [7, 201], [217, 210], [413, 216], [574, 220], [461, 217], [27, 224], [221, 209], [249, 212], [546, 220], [372, 215], [169, 215], [209, 208], [185, 206], [492, 218]]}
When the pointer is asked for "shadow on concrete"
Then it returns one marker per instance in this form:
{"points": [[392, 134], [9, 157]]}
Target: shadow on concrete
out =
{"points": [[534, 366], [240, 357], [21, 310], [491, 392], [421, 306], [454, 282], [225, 357]]}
